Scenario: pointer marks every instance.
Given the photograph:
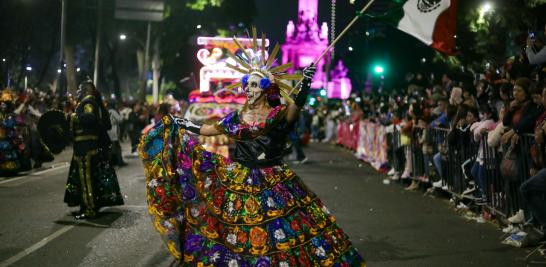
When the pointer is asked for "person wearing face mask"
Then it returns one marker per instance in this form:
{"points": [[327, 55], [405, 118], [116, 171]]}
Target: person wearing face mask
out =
{"points": [[250, 209], [92, 182]]}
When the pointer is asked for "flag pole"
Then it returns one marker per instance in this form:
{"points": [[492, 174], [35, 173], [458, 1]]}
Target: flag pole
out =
{"points": [[337, 38]]}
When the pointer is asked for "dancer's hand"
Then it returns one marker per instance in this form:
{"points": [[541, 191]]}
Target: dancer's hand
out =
{"points": [[186, 124], [309, 71]]}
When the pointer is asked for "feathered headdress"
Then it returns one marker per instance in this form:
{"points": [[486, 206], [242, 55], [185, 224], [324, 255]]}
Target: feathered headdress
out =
{"points": [[255, 60]]}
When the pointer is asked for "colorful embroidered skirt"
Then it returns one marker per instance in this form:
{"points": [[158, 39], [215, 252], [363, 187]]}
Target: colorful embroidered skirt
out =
{"points": [[211, 211]]}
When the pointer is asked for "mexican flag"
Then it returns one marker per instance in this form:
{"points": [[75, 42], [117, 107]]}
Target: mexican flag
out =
{"points": [[431, 21]]}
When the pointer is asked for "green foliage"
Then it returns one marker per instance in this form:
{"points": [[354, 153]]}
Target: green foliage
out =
{"points": [[496, 35], [200, 5]]}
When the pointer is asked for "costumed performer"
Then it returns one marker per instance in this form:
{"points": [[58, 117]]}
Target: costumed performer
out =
{"points": [[250, 209], [92, 181]]}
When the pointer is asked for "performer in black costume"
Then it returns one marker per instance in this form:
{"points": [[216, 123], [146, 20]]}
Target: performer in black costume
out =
{"points": [[92, 181]]}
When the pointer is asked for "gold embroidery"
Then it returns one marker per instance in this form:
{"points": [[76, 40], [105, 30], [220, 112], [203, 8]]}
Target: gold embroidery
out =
{"points": [[88, 108]]}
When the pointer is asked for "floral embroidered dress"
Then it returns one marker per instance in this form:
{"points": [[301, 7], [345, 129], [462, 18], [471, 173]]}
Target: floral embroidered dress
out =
{"points": [[12, 145], [242, 211]]}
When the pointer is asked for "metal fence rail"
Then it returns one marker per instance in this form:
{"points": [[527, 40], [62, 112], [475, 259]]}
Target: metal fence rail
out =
{"points": [[457, 156]]}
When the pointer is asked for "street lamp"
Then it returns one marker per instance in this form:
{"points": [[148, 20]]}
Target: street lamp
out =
{"points": [[29, 69], [487, 7]]}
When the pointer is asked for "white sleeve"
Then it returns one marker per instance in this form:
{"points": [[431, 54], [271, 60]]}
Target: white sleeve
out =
{"points": [[536, 58]]}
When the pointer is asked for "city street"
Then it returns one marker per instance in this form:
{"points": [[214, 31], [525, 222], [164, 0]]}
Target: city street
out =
{"points": [[389, 226]]}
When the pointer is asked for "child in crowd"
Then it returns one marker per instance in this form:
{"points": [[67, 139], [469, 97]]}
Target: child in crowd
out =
{"points": [[480, 129]]}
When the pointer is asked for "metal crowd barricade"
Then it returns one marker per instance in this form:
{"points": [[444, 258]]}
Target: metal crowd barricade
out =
{"points": [[417, 155], [439, 140], [525, 163], [397, 155], [495, 189], [396, 152], [460, 156], [503, 196]]}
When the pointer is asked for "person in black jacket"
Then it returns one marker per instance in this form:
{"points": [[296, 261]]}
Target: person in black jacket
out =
{"points": [[92, 182], [521, 114]]}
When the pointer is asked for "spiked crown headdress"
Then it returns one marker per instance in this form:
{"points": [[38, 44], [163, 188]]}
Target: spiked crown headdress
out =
{"points": [[255, 61]]}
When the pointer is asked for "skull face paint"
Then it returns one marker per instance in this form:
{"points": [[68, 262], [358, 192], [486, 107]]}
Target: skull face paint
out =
{"points": [[252, 90], [3, 106]]}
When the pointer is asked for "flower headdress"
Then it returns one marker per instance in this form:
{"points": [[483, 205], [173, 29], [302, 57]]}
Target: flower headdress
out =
{"points": [[252, 61]]}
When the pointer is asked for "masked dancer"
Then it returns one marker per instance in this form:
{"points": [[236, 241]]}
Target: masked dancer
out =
{"points": [[250, 209]]}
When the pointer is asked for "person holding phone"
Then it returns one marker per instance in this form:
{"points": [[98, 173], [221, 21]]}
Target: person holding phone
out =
{"points": [[535, 56]]}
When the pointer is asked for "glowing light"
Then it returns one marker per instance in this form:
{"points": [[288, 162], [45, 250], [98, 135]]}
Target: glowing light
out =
{"points": [[78, 69], [367, 33], [3, 60], [58, 70], [122, 37], [486, 7], [424, 60], [350, 48], [322, 92], [28, 68], [198, 26], [379, 69]]}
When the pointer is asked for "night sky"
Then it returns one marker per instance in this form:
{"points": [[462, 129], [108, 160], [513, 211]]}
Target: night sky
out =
{"points": [[398, 51]]}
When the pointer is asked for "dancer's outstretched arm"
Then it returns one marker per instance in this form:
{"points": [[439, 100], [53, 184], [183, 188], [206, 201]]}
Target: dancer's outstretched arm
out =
{"points": [[294, 109], [206, 129]]}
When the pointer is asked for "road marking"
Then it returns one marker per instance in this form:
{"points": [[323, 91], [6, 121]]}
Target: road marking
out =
{"points": [[65, 165], [36, 246]]}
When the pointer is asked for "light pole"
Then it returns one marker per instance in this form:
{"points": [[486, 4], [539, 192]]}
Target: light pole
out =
{"points": [[28, 69], [6, 72], [61, 81]]}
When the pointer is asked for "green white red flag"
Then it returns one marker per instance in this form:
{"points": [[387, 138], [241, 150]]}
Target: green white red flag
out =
{"points": [[433, 22]]}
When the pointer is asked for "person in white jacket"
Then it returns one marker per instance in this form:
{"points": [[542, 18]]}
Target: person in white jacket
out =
{"points": [[536, 55], [486, 124], [116, 119]]}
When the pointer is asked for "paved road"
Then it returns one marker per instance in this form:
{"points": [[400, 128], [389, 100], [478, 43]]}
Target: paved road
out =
{"points": [[389, 226]]}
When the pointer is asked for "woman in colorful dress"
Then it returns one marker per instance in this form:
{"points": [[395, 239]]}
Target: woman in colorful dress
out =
{"points": [[12, 145], [250, 209]]}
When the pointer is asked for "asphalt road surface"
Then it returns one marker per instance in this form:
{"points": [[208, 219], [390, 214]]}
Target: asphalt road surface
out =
{"points": [[389, 226]]}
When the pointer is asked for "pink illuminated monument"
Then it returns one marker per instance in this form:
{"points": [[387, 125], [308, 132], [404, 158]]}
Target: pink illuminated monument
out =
{"points": [[305, 41], [339, 85]]}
